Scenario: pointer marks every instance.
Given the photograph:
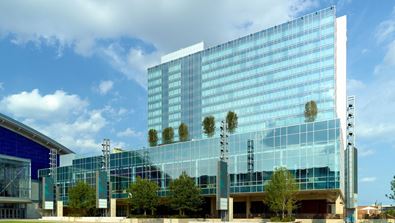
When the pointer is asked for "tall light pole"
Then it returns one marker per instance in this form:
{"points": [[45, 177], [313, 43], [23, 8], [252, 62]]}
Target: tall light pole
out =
{"points": [[53, 163], [250, 159], [351, 163], [106, 168], [222, 174]]}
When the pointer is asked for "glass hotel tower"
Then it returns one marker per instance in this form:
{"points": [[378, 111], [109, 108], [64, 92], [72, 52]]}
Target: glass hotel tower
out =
{"points": [[266, 78]]}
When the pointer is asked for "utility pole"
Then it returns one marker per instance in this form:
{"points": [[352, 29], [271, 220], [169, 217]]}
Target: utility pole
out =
{"points": [[222, 174]]}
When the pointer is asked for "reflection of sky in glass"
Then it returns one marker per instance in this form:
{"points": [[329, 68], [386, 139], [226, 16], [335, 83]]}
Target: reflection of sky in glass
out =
{"points": [[310, 151]]}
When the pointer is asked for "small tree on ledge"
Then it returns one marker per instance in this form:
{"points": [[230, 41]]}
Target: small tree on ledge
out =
{"points": [[152, 137], [168, 135], [209, 126], [183, 133], [231, 119], [310, 111]]}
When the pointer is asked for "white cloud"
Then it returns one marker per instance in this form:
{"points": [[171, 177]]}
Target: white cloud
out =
{"points": [[36, 106], [375, 108], [80, 134], [375, 101], [368, 179], [62, 116], [386, 28], [389, 59], [342, 3], [385, 33], [355, 85], [132, 63], [375, 121], [105, 86], [122, 111], [166, 25], [116, 114], [365, 152], [128, 132], [81, 23]]}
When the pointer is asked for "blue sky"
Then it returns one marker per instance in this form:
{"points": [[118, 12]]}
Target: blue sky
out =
{"points": [[76, 70]]}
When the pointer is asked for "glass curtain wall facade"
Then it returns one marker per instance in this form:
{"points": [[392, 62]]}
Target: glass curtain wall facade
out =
{"points": [[14, 177], [266, 78], [15, 186], [310, 151]]}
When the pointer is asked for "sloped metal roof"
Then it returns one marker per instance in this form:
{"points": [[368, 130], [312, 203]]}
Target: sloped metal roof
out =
{"points": [[34, 135]]}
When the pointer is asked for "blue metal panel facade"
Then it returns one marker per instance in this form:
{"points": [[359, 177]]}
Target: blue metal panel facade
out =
{"points": [[13, 144]]}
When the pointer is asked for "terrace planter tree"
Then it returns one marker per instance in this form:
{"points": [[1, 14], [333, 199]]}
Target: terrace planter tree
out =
{"points": [[168, 135], [183, 133], [280, 194], [143, 195], [209, 126], [310, 111], [231, 120], [152, 137]]}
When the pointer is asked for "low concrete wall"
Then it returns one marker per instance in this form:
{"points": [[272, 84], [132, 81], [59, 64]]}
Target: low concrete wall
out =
{"points": [[86, 219], [320, 220], [376, 221]]}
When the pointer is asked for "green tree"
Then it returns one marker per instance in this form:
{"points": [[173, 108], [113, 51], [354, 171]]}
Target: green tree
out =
{"points": [[310, 111], [392, 195], [152, 137], [209, 126], [82, 199], [183, 132], [185, 195], [168, 135], [231, 120], [280, 192], [143, 195]]}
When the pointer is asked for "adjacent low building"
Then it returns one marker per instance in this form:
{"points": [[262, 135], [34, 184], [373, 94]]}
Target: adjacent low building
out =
{"points": [[23, 151]]}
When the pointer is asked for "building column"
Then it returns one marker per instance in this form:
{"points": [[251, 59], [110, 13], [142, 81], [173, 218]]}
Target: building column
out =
{"points": [[113, 207], [128, 210], [59, 208], [338, 206], [213, 208], [248, 207], [230, 211]]}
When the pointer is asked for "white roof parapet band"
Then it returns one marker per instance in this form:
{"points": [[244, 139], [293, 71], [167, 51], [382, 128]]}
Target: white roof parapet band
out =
{"points": [[182, 52]]}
